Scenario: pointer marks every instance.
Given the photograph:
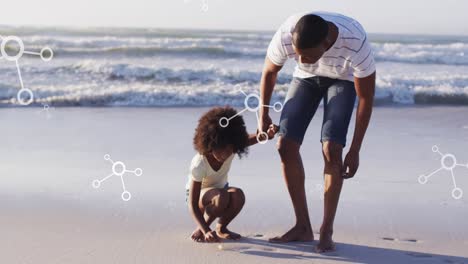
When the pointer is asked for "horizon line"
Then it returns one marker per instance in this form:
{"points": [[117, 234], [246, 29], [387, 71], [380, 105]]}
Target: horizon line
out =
{"points": [[202, 29]]}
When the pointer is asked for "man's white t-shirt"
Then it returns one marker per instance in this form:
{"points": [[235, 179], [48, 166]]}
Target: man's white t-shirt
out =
{"points": [[350, 56], [201, 171]]}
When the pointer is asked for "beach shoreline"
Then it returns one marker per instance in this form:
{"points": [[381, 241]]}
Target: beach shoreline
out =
{"points": [[52, 214]]}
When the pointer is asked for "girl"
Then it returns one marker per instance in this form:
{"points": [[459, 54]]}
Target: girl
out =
{"points": [[208, 191]]}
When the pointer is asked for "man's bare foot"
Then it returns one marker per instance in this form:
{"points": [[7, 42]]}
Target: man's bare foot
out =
{"points": [[326, 243], [297, 233], [198, 236], [223, 232]]}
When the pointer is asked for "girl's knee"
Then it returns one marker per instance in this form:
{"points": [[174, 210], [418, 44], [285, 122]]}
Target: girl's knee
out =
{"points": [[237, 197], [219, 202]]}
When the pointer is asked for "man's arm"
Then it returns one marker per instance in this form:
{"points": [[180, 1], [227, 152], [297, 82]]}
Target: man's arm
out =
{"points": [[267, 84], [365, 90]]}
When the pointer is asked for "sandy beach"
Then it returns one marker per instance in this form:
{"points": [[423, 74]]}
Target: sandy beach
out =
{"points": [[52, 214]]}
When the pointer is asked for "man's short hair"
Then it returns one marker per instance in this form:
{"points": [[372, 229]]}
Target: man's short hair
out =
{"points": [[309, 32]]}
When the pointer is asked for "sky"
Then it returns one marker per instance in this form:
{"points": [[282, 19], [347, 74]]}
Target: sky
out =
{"points": [[438, 17]]}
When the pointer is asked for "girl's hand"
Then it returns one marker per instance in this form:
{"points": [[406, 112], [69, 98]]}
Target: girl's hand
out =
{"points": [[211, 236]]}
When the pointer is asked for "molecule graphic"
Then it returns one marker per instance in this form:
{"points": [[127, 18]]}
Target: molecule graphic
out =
{"points": [[3, 49], [46, 110], [448, 162], [118, 169], [204, 5], [278, 107]]}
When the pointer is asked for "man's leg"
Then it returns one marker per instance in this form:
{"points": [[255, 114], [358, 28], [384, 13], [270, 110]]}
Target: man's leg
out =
{"points": [[302, 101], [332, 155], [338, 107], [294, 175]]}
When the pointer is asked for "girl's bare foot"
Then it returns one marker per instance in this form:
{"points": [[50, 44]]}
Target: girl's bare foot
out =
{"points": [[326, 243], [223, 232], [198, 236]]}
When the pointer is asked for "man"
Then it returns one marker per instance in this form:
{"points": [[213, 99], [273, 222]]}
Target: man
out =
{"points": [[334, 63]]}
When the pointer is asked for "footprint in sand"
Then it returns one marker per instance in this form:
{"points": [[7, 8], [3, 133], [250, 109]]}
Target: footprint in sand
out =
{"points": [[247, 249], [268, 249], [419, 255], [411, 240]]}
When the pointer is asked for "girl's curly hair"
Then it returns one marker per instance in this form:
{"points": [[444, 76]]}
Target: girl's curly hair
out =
{"points": [[210, 135]]}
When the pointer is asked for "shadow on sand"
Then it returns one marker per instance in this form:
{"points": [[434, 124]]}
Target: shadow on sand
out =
{"points": [[345, 253]]}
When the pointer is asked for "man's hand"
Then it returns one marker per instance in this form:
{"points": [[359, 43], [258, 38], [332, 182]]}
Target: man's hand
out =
{"points": [[211, 236], [272, 130], [351, 164], [365, 90]]}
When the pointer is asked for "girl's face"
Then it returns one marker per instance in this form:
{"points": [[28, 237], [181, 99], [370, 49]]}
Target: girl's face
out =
{"points": [[222, 154]]}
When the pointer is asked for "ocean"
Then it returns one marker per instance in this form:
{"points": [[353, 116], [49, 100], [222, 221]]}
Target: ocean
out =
{"points": [[186, 68]]}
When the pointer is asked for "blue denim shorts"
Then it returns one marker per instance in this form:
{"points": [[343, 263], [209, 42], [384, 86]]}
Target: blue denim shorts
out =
{"points": [[302, 101]]}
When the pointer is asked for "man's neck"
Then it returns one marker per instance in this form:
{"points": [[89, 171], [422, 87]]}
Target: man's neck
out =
{"points": [[332, 34]]}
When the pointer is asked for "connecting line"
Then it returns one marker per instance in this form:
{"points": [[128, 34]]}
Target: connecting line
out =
{"points": [[32, 53], [448, 162], [453, 179], [240, 112], [123, 185], [105, 178], [19, 74], [432, 173]]}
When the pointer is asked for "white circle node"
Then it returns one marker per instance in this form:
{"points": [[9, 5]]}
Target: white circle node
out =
{"points": [[96, 184], [118, 168], [107, 157], [20, 98], [224, 122], [457, 193], [422, 179], [126, 196], [44, 50], [262, 137], [435, 148], [246, 102], [12, 39], [278, 107], [138, 172], [448, 161]]}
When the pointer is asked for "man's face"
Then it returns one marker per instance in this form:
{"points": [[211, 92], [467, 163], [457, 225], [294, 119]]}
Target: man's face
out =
{"points": [[310, 55]]}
